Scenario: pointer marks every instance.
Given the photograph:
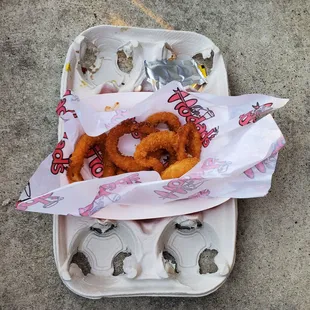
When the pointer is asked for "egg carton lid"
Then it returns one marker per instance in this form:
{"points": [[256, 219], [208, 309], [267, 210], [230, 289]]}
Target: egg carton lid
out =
{"points": [[160, 257]]}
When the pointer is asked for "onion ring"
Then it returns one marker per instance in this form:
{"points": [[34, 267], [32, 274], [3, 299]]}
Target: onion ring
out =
{"points": [[143, 128], [189, 142], [109, 169], [179, 168], [126, 163], [77, 158], [119, 171], [171, 120], [160, 154], [155, 141]]}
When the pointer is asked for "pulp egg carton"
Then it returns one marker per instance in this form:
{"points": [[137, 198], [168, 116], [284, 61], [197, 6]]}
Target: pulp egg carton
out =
{"points": [[188, 255]]}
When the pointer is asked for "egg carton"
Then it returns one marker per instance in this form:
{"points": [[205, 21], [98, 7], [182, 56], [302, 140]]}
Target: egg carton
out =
{"points": [[187, 255]]}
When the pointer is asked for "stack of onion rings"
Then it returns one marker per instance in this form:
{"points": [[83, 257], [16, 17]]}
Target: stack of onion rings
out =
{"points": [[181, 144]]}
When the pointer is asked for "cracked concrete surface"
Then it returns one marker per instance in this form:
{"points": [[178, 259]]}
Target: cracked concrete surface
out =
{"points": [[266, 48]]}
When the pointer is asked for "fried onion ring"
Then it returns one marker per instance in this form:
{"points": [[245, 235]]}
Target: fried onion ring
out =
{"points": [[155, 141], [189, 142], [167, 118], [119, 171], [143, 129], [126, 163], [84, 144], [179, 168], [109, 169], [160, 154]]}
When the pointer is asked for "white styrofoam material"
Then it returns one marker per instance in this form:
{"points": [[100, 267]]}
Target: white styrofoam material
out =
{"points": [[144, 44], [147, 272]]}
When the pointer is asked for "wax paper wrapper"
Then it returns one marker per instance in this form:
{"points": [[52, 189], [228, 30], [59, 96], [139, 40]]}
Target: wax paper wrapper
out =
{"points": [[240, 145]]}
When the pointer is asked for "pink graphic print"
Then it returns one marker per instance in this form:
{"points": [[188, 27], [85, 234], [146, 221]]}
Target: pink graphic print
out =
{"points": [[95, 165], [254, 115], [211, 164], [268, 162], [118, 117], [106, 195], [202, 194], [192, 112], [47, 201], [176, 188], [61, 109], [59, 163]]}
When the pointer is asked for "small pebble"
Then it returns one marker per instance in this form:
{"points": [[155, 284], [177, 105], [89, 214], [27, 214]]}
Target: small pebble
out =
{"points": [[6, 202]]}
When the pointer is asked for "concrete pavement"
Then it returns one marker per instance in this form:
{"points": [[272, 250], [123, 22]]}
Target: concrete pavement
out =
{"points": [[266, 48]]}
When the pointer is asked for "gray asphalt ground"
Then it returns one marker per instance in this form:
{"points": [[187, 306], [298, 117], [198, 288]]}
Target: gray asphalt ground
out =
{"points": [[266, 48]]}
